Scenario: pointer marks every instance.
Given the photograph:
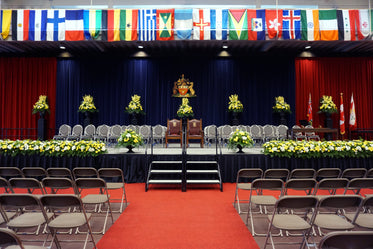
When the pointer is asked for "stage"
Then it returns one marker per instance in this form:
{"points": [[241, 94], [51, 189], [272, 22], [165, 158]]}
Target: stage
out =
{"points": [[135, 165]]}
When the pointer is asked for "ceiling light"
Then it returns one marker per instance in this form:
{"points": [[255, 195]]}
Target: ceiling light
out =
{"points": [[225, 46], [307, 47], [62, 47], [140, 47]]}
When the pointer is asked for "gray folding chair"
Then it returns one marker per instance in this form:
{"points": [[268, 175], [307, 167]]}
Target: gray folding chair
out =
{"points": [[328, 173], [303, 206], [347, 240], [34, 172], [114, 174], [332, 211], [63, 221], [365, 217], [330, 186], [53, 184], [9, 239], [282, 174], [4, 184], [243, 182], [260, 197], [97, 200], [357, 184], [307, 185]]}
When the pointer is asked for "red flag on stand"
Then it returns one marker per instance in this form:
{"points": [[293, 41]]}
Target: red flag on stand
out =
{"points": [[341, 117], [309, 111], [352, 122]]}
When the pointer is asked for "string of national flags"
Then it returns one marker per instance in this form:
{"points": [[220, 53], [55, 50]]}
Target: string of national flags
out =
{"points": [[342, 128], [185, 24]]}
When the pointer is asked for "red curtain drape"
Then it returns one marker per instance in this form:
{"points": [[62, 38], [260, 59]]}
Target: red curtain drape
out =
{"points": [[332, 76], [22, 80]]}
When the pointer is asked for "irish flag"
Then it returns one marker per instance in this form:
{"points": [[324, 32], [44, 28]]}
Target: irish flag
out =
{"points": [[328, 25]]}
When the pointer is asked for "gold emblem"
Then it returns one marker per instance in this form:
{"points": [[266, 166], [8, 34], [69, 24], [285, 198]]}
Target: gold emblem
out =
{"points": [[183, 88]]}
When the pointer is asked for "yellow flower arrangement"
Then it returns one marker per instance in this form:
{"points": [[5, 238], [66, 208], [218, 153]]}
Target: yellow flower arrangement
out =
{"points": [[185, 110], [234, 104], [87, 104], [281, 105], [327, 105], [135, 105], [130, 138], [52, 148], [241, 138], [41, 105], [318, 149]]}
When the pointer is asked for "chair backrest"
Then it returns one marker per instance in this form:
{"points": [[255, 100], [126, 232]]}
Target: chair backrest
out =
{"points": [[8, 238], [135, 128], [111, 173], [174, 127], [80, 172], [89, 130], [34, 172], [103, 131], [356, 184], [61, 201], [341, 201], [115, 130], [332, 184], [8, 172], [251, 173], [276, 174], [59, 172], [354, 173], [4, 183], [256, 131], [308, 185], [268, 130], [16, 201], [282, 131], [242, 128], [90, 183], [298, 133], [347, 240], [77, 130], [145, 131], [226, 131], [309, 133], [297, 202], [64, 130], [195, 127], [158, 131], [328, 173], [302, 173], [211, 131], [270, 184], [369, 173], [58, 183], [31, 184]]}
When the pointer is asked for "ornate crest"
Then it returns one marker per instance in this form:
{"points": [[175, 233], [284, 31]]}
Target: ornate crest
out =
{"points": [[183, 88]]}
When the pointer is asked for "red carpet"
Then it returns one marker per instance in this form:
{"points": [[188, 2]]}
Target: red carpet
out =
{"points": [[169, 218]]}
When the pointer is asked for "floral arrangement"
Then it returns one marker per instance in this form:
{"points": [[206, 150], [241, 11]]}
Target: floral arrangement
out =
{"points": [[241, 138], [52, 148], [281, 105], [327, 105], [41, 105], [87, 104], [185, 110], [318, 149], [234, 104], [130, 138], [135, 106]]}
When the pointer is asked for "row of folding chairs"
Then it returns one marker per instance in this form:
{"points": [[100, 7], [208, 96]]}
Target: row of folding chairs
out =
{"points": [[46, 213], [298, 216], [308, 180], [29, 177]]}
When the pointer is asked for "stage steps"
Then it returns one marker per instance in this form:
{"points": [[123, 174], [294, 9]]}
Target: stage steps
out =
{"points": [[188, 172]]}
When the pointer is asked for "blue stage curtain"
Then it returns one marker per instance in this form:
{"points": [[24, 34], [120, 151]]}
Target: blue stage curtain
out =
{"points": [[256, 80]]}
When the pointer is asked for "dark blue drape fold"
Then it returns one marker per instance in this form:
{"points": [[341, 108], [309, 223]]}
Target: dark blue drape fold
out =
{"points": [[111, 82]]}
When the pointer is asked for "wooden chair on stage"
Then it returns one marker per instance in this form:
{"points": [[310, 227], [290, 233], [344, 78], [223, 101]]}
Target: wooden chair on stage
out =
{"points": [[174, 131], [195, 131]]}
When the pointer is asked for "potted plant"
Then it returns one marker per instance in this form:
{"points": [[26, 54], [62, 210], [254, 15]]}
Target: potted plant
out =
{"points": [[327, 107], [41, 106], [235, 107], [240, 139], [130, 139], [282, 108], [87, 106]]}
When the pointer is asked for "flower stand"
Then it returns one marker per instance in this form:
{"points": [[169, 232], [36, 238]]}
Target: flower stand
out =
{"points": [[42, 127]]}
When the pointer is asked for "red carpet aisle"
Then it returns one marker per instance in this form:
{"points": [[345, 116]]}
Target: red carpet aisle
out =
{"points": [[169, 218]]}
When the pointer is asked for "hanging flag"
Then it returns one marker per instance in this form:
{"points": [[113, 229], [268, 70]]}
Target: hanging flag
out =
{"points": [[92, 23], [201, 24], [147, 24], [363, 27], [310, 25], [291, 24], [38, 25], [219, 24], [309, 111], [122, 24], [5, 18], [238, 24], [183, 24], [328, 25], [256, 24], [74, 25], [342, 129], [274, 23], [352, 122], [347, 24], [56, 25], [104, 26], [165, 24], [20, 25]]}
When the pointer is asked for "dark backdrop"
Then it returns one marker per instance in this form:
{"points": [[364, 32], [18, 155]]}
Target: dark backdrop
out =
{"points": [[256, 80]]}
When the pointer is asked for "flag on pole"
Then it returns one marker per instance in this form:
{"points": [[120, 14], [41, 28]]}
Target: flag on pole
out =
{"points": [[352, 123], [342, 129], [5, 18], [309, 110]]}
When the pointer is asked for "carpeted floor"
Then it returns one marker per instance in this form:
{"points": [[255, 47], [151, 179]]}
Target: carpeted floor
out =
{"points": [[164, 218]]}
